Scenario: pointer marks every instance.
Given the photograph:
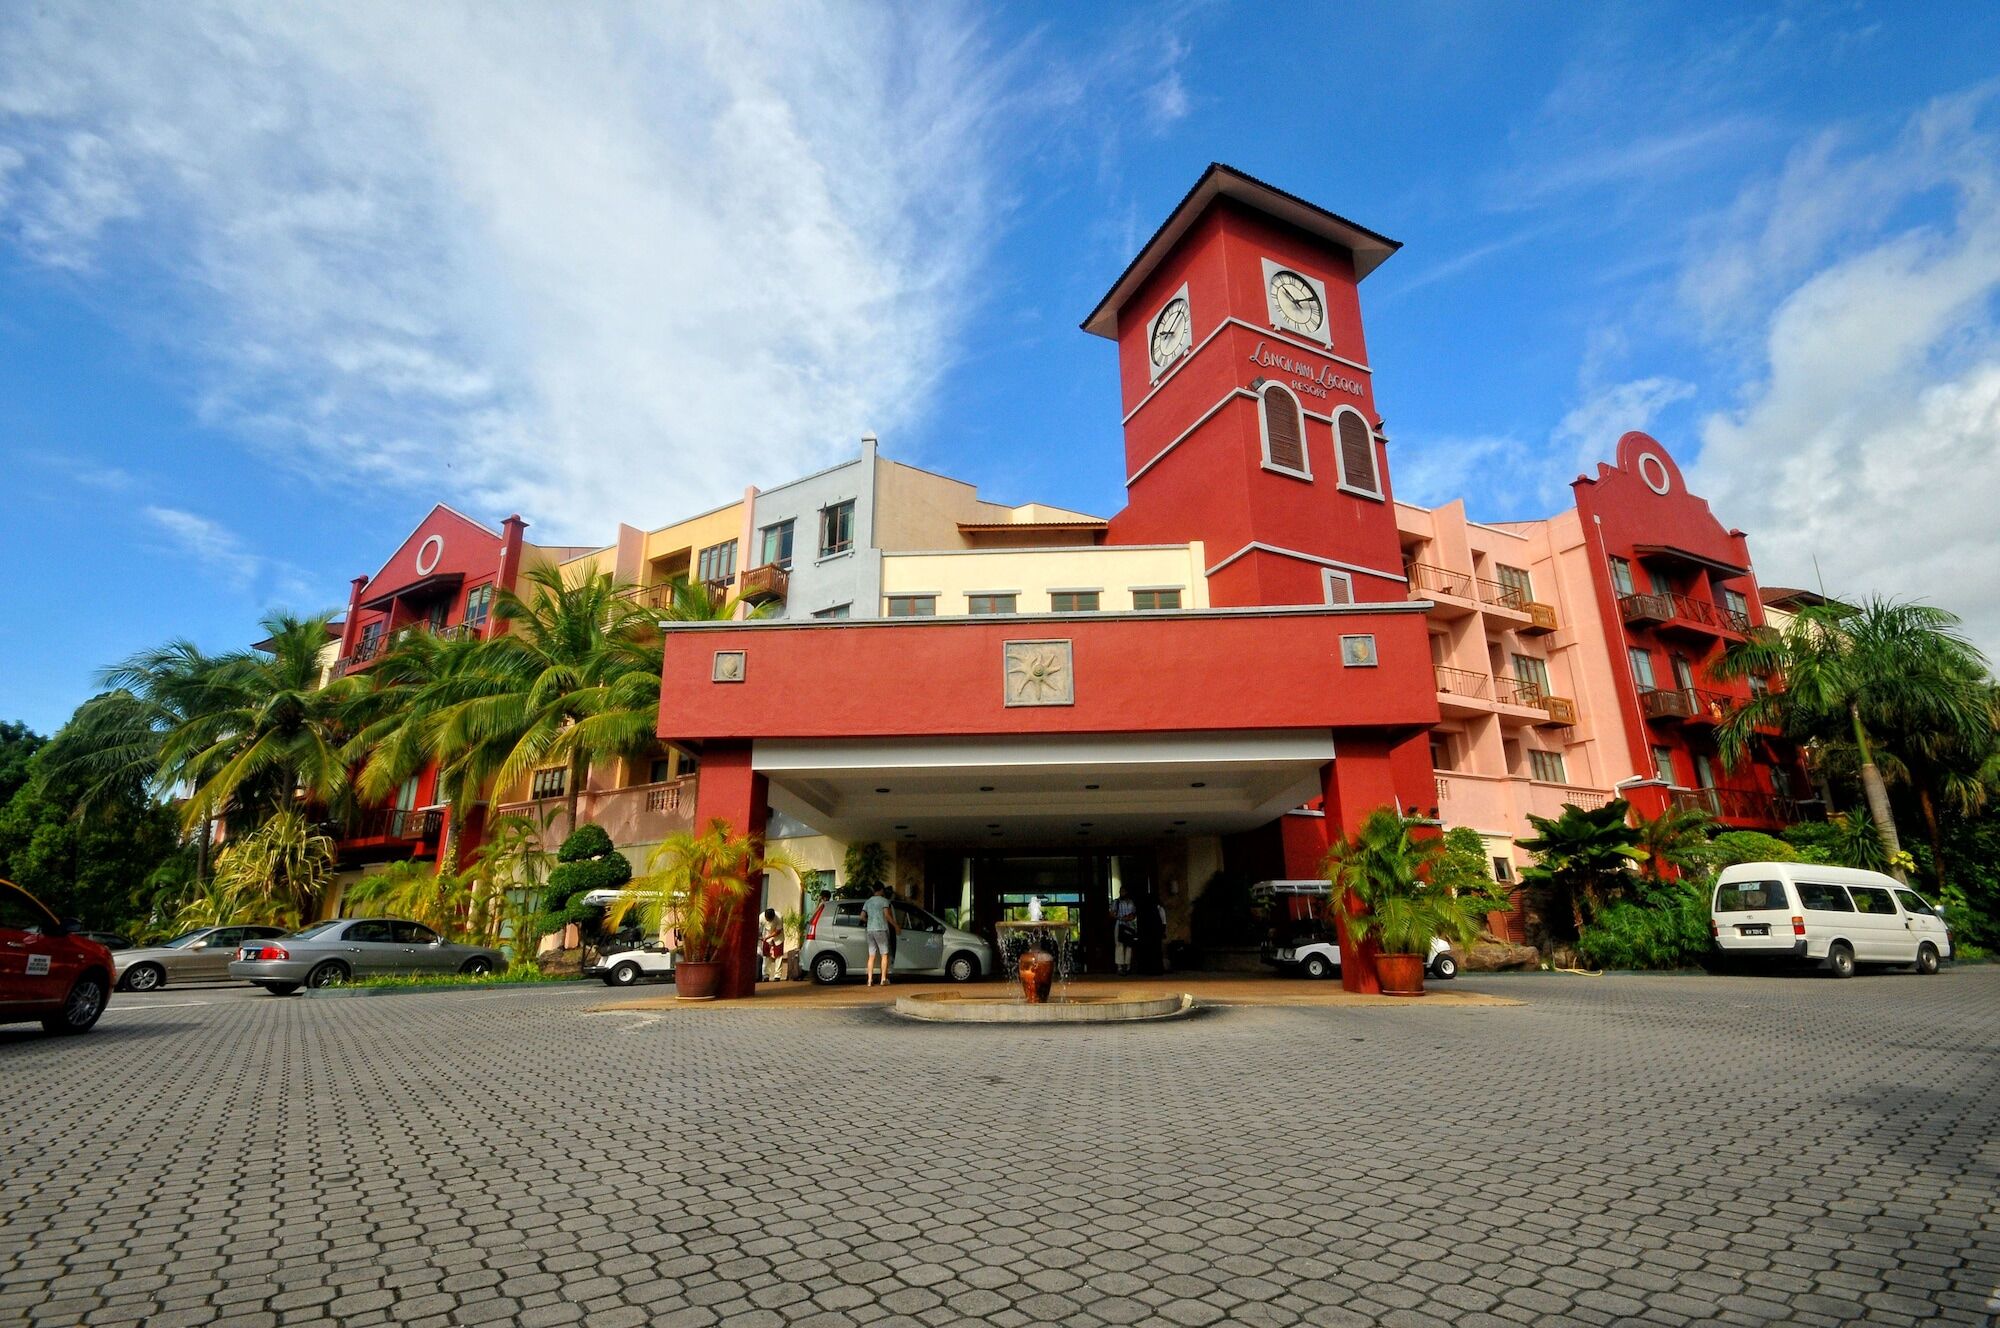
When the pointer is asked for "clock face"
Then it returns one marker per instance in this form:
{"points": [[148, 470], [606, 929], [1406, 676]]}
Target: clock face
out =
{"points": [[1296, 302], [1170, 332]]}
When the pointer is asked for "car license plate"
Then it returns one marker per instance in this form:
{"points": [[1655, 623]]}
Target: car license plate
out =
{"points": [[1755, 931]]}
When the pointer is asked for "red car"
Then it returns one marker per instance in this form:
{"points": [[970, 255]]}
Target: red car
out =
{"points": [[47, 970]]}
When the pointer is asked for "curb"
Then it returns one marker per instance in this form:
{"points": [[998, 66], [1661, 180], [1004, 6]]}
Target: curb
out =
{"points": [[434, 989]]}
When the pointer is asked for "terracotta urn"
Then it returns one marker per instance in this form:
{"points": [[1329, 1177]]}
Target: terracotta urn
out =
{"points": [[1400, 974], [697, 982], [1038, 970]]}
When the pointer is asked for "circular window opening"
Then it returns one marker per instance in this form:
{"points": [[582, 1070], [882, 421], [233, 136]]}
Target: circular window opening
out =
{"points": [[428, 554], [1654, 472]]}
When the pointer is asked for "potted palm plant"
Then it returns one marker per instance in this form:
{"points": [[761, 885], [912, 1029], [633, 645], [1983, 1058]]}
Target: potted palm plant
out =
{"points": [[696, 887], [1387, 868]]}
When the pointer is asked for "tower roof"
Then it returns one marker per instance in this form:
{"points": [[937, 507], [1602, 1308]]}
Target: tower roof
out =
{"points": [[1370, 249]]}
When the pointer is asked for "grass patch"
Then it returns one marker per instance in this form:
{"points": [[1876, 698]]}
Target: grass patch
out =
{"points": [[507, 977]]}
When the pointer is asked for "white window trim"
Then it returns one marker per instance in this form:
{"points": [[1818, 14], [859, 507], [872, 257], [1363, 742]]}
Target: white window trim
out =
{"points": [[1264, 431], [1327, 577], [1340, 460]]}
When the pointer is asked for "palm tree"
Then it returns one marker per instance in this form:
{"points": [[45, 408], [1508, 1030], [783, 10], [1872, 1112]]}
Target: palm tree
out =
{"points": [[1885, 676], [574, 675], [278, 872], [694, 601], [1676, 838], [696, 884], [1386, 866], [1581, 858]]}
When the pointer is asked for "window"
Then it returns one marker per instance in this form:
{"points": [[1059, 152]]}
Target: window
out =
{"points": [[549, 783], [984, 604], [1356, 452], [371, 639], [717, 562], [1642, 667], [1339, 586], [1752, 896], [413, 933], [1073, 601], [1547, 767], [1736, 602], [661, 770], [20, 913], [1440, 752], [837, 611], [1503, 870], [1284, 432], [1914, 903], [1157, 599], [777, 546], [689, 764], [1517, 588], [1704, 773], [815, 883], [1663, 764], [1872, 899], [1823, 898], [913, 606], [1621, 577], [478, 605], [1759, 684], [372, 933], [836, 529], [1533, 674]]}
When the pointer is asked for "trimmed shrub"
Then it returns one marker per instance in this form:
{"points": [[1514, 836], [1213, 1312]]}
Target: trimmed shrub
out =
{"points": [[585, 862], [1671, 934], [586, 841]]}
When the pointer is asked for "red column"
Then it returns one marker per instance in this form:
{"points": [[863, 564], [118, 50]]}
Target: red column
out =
{"points": [[729, 790], [1370, 771], [350, 631], [508, 573]]}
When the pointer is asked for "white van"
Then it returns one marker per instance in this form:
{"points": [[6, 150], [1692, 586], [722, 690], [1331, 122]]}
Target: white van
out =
{"points": [[1834, 916]]}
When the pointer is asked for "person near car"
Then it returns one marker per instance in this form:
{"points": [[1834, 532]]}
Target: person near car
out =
{"points": [[771, 944], [879, 921], [1124, 931]]}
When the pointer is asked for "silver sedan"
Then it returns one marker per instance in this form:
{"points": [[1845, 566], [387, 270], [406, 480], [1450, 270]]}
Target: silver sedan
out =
{"points": [[344, 949], [201, 955]]}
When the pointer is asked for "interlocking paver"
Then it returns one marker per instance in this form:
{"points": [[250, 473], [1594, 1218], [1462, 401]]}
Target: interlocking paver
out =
{"points": [[1620, 1150]]}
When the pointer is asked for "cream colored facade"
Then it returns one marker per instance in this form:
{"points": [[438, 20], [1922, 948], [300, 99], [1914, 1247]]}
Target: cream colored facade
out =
{"points": [[1034, 575]]}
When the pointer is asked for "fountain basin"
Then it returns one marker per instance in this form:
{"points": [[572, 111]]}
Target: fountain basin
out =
{"points": [[1097, 1007]]}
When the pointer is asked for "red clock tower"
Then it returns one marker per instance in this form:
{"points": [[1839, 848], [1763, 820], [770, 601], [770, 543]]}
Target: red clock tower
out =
{"points": [[1249, 410]]}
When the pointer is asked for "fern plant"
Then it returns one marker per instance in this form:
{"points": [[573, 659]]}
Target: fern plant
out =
{"points": [[1387, 868]]}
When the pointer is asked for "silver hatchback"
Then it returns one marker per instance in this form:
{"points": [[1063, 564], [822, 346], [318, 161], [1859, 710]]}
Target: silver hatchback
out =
{"points": [[836, 945], [347, 948]]}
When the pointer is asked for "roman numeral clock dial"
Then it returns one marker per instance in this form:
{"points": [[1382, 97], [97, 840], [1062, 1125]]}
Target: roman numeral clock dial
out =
{"points": [[1296, 303], [1170, 333]]}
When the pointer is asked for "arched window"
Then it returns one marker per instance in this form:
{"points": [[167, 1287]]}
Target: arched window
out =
{"points": [[1284, 433], [1355, 448]]}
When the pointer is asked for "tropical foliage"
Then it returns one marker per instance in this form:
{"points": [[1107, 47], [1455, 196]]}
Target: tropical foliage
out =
{"points": [[586, 862], [1669, 930], [863, 870], [1387, 866], [276, 874], [1584, 859], [697, 883]]}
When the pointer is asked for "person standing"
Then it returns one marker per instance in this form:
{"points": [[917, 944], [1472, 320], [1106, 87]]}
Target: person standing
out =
{"points": [[1124, 932], [879, 921], [771, 944]]}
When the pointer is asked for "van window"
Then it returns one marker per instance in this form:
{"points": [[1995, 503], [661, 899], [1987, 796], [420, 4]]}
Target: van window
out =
{"points": [[1913, 902], [847, 913], [1823, 898], [1872, 899], [1748, 896]]}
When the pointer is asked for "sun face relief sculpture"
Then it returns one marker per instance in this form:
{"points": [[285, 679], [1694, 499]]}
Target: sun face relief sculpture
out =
{"points": [[1038, 673]]}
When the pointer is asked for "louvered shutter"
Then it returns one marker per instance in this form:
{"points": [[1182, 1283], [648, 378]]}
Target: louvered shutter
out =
{"points": [[1357, 453], [1283, 430]]}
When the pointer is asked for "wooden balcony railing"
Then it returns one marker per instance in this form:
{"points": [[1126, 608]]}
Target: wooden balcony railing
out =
{"points": [[396, 823], [1542, 618], [769, 582], [1664, 703], [1663, 608], [1560, 709], [1729, 804]]}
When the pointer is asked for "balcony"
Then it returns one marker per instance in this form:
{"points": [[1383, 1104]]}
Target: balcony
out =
{"points": [[1673, 611], [1516, 610], [1561, 711], [1541, 618], [1501, 800], [390, 832], [1463, 691], [1451, 594], [1667, 705], [639, 814], [1707, 707], [1726, 804], [762, 584], [1524, 702]]}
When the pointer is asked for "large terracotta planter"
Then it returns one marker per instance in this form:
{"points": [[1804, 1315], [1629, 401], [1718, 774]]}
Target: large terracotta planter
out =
{"points": [[697, 982], [1038, 970], [1400, 974]]}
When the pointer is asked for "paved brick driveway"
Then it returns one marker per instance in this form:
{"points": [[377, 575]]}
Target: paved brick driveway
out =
{"points": [[1616, 1150]]}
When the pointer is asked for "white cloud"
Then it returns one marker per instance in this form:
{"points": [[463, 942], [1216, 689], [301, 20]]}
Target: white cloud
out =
{"points": [[595, 264], [1869, 439], [208, 542]]}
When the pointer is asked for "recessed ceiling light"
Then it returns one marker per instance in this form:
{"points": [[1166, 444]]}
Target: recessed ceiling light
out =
{"points": [[992, 825], [1086, 824], [881, 790], [1196, 784], [902, 827], [1180, 822], [985, 788], [1092, 786]]}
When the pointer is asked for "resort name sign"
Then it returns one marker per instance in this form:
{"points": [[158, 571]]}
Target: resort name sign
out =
{"points": [[1305, 377]]}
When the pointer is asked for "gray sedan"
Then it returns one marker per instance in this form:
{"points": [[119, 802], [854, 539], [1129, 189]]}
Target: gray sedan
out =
{"points": [[201, 955], [339, 951]]}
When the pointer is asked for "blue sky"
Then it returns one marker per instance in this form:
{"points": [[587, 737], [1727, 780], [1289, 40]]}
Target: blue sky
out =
{"points": [[272, 282]]}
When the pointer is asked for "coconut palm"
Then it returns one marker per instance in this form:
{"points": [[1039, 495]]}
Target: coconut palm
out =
{"points": [[419, 891], [1886, 676], [278, 873]]}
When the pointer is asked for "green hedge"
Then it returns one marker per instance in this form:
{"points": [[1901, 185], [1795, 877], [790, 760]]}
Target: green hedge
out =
{"points": [[1673, 933]]}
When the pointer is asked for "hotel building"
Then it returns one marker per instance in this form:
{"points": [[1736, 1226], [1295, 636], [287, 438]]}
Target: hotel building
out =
{"points": [[1260, 648]]}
